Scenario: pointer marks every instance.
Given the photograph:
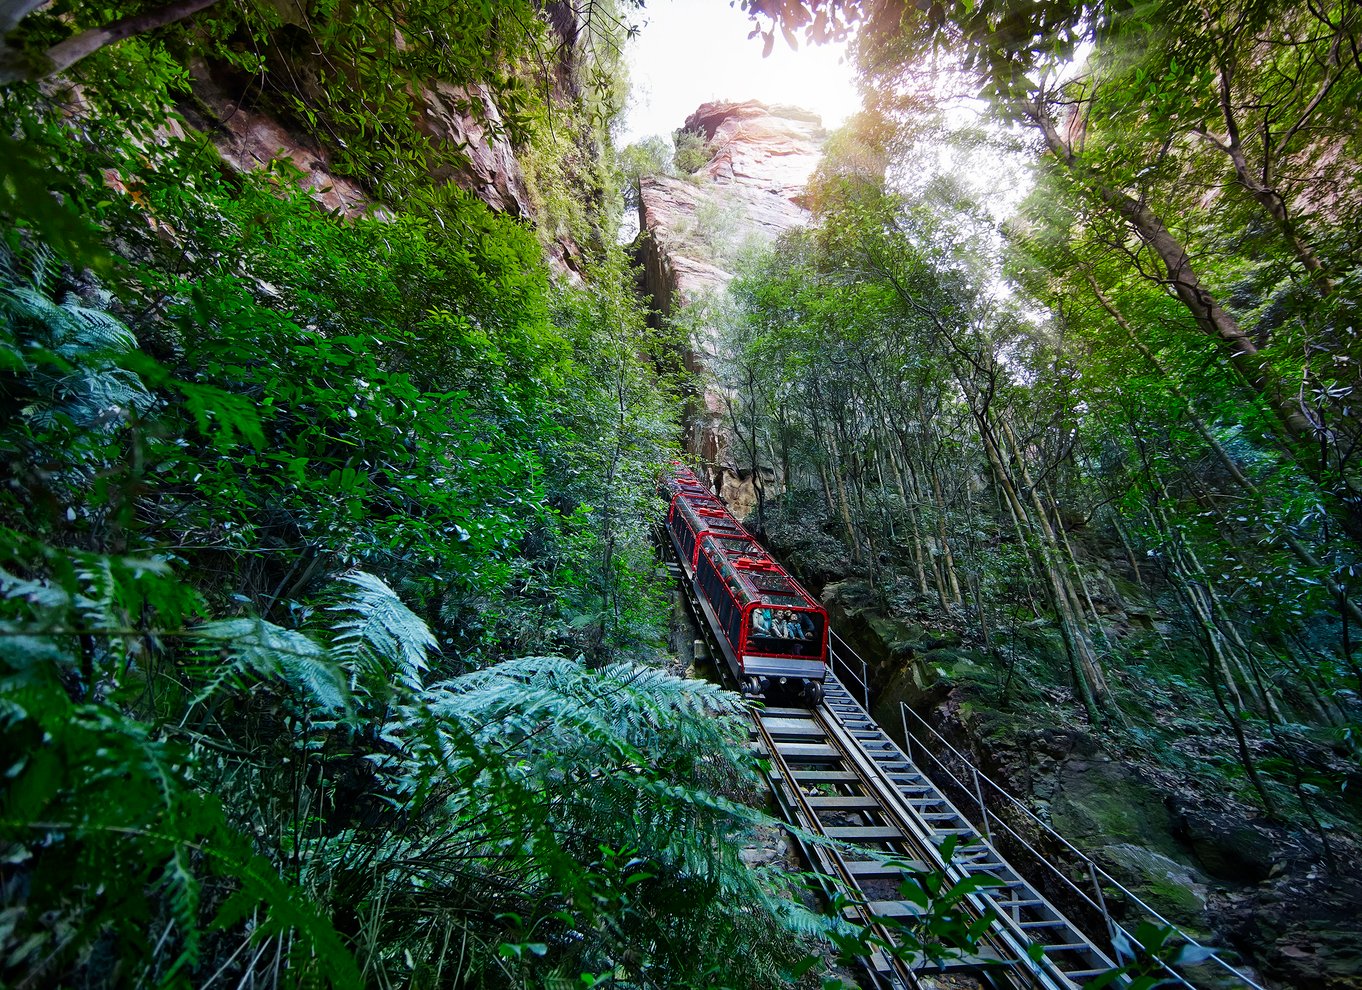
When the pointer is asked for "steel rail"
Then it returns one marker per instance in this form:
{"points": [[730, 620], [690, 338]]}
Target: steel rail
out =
{"points": [[1000, 959], [1010, 950], [886, 969], [1005, 963]]}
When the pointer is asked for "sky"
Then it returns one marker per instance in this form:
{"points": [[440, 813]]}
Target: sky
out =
{"points": [[695, 51]]}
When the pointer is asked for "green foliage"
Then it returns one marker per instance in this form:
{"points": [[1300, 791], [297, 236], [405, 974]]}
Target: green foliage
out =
{"points": [[692, 151], [648, 157], [284, 490], [513, 808]]}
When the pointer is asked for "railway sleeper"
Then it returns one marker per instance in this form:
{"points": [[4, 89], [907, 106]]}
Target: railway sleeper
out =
{"points": [[885, 909], [825, 777], [864, 833], [872, 869], [807, 752], [842, 802]]}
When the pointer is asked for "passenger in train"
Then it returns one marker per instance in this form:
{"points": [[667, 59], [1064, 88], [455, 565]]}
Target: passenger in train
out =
{"points": [[762, 622]]}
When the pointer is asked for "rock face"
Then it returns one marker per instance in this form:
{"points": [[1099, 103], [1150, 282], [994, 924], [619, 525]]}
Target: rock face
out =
{"points": [[252, 134], [750, 190], [492, 172], [250, 139]]}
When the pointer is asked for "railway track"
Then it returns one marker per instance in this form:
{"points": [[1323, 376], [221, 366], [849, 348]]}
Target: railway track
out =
{"points": [[837, 774]]}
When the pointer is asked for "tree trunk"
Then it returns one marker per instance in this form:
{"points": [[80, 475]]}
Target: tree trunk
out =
{"points": [[1287, 538], [1183, 279]]}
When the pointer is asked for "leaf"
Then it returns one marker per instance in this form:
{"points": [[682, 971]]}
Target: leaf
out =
{"points": [[222, 416], [259, 647], [1192, 955], [379, 632]]}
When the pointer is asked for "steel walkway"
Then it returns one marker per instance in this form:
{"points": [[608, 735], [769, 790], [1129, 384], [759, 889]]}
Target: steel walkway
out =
{"points": [[837, 774], [875, 818]]}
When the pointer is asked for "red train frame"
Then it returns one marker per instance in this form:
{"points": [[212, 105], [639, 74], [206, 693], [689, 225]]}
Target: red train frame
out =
{"points": [[772, 633]]}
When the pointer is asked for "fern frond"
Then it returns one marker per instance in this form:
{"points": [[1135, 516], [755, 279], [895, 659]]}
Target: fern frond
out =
{"points": [[380, 632], [183, 889], [266, 650], [42, 596], [68, 328], [96, 330], [96, 397]]}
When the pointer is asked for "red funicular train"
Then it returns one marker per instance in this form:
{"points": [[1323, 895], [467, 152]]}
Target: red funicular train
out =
{"points": [[772, 633]]}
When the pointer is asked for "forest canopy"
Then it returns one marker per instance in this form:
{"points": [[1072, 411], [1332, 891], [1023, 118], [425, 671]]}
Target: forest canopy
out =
{"points": [[335, 638]]}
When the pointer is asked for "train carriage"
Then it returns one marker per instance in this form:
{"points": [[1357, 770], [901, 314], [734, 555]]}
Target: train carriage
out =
{"points": [[772, 633]]}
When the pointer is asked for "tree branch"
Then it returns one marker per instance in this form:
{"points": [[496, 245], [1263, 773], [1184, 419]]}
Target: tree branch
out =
{"points": [[65, 54]]}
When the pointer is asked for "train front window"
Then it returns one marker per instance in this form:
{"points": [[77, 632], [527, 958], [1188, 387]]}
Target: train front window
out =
{"points": [[785, 631]]}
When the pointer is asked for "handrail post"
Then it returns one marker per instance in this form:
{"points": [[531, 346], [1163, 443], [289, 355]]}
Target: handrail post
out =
{"points": [[1102, 905], [865, 684], [983, 808], [907, 736]]}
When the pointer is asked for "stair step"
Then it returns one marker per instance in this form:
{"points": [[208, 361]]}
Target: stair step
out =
{"points": [[1010, 905], [862, 833], [840, 802]]}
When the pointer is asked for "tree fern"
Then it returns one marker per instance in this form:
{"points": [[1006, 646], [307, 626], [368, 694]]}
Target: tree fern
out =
{"points": [[377, 633], [540, 765], [69, 352], [68, 328]]}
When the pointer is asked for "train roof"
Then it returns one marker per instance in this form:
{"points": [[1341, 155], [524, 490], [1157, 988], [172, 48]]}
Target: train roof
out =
{"points": [[741, 559], [743, 562], [679, 479], [706, 514]]}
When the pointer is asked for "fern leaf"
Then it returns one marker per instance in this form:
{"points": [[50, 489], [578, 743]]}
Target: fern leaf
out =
{"points": [[97, 330], [266, 650], [98, 397], [380, 632], [183, 891]]}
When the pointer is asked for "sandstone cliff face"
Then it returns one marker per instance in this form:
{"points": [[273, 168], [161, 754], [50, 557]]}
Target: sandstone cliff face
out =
{"points": [[249, 137], [250, 132], [750, 190]]}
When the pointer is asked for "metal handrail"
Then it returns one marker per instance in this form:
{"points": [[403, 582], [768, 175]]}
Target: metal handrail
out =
{"points": [[864, 679], [987, 822], [1095, 871]]}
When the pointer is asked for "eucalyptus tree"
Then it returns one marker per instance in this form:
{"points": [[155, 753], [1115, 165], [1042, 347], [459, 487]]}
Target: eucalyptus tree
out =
{"points": [[912, 393], [1128, 103]]}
